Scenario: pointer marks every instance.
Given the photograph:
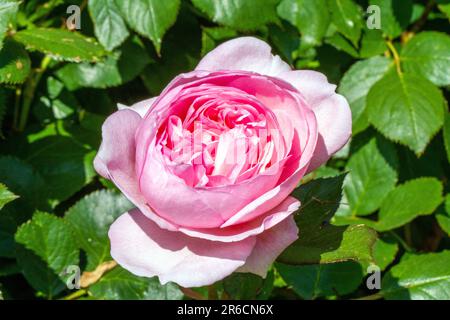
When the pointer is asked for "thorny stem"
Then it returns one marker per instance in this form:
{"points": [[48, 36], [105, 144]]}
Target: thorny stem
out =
{"points": [[29, 91], [423, 18]]}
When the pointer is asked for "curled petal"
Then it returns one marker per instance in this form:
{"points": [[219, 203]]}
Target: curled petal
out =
{"points": [[332, 112], [246, 54], [244, 230], [140, 107], [269, 245], [143, 248], [115, 160]]}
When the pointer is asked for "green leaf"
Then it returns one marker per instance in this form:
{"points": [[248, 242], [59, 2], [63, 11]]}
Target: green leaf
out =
{"points": [[447, 135], [406, 108], [347, 17], [115, 70], [414, 198], [6, 196], [316, 281], [242, 15], [61, 44], [91, 218], [64, 162], [180, 53], [395, 15], [419, 277], [23, 181], [119, 284], [384, 252], [15, 63], [8, 10], [150, 18], [319, 241], [310, 17], [212, 36], [443, 217], [57, 102], [370, 179], [444, 7], [50, 239], [357, 82], [372, 44], [428, 54], [341, 43], [248, 286], [109, 27]]}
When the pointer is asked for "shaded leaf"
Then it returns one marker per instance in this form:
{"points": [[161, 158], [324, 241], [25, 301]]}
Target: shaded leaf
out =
{"points": [[6, 196], [316, 281], [119, 284], [90, 218], [319, 241], [15, 63], [50, 239]]}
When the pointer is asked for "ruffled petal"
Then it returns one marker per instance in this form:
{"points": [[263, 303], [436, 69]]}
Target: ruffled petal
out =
{"points": [[244, 230], [115, 160], [140, 107], [269, 245], [332, 111], [246, 54], [144, 249]]}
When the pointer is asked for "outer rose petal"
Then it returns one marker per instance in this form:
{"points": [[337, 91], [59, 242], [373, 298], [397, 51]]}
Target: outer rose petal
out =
{"points": [[254, 227], [140, 107], [245, 53], [143, 248], [269, 245], [333, 114], [115, 159]]}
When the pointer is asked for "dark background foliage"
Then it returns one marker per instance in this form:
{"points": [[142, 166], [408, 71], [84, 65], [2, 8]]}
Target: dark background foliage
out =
{"points": [[382, 200]]}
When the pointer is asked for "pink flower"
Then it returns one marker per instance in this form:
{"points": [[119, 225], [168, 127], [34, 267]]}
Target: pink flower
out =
{"points": [[210, 164]]}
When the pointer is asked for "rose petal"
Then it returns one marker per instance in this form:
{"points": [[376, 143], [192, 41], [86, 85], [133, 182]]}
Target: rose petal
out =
{"points": [[334, 120], [115, 159], [244, 230], [246, 54], [143, 248], [140, 107], [332, 111], [269, 245]]}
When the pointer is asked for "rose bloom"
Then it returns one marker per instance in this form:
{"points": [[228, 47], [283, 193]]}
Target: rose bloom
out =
{"points": [[210, 164]]}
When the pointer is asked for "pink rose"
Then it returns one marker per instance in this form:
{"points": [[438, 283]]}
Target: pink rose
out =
{"points": [[210, 164]]}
